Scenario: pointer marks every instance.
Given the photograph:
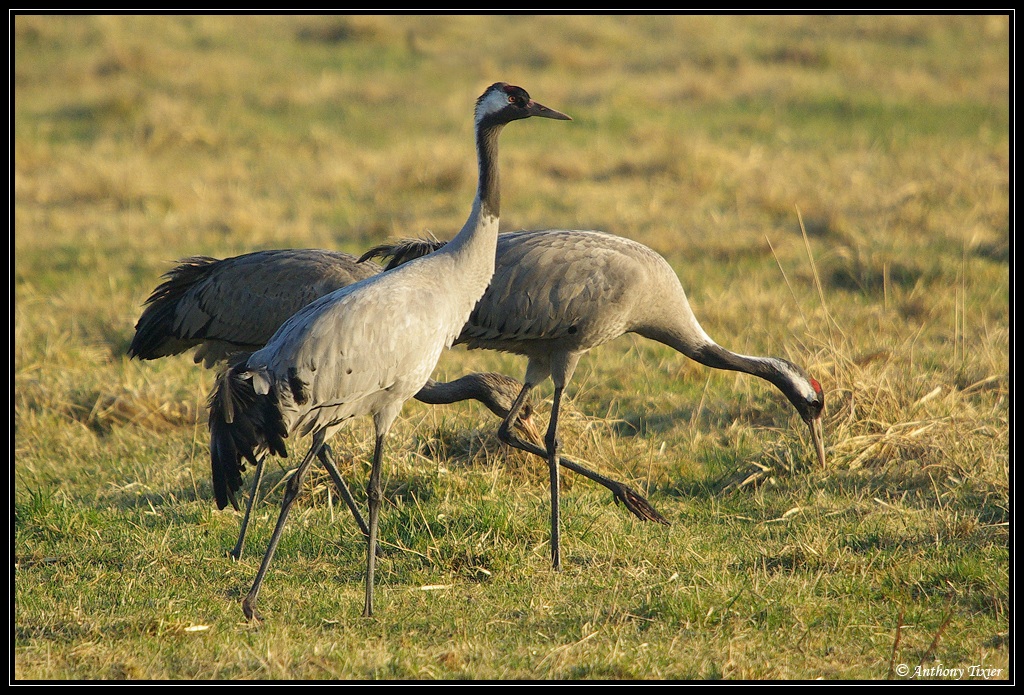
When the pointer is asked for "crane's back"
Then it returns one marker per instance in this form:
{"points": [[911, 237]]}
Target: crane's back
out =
{"points": [[566, 290]]}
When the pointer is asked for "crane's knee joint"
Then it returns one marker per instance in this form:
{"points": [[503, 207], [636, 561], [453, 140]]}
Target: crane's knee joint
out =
{"points": [[552, 442], [373, 494]]}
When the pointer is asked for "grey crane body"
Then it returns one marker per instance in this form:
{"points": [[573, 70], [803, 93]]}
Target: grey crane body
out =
{"points": [[563, 293], [366, 348], [556, 294], [229, 308], [566, 292]]}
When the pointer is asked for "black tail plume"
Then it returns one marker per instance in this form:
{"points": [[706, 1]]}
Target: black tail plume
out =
{"points": [[155, 334], [244, 425], [402, 251]]}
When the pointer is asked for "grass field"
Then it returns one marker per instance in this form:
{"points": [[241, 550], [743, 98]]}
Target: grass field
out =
{"points": [[832, 190]]}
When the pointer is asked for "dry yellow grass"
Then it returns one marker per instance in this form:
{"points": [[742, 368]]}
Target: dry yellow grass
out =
{"points": [[140, 140]]}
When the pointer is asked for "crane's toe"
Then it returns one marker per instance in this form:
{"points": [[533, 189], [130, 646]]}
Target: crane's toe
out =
{"points": [[636, 504], [249, 608]]}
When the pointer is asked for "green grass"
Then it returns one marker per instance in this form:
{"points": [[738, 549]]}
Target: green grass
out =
{"points": [[141, 140]]}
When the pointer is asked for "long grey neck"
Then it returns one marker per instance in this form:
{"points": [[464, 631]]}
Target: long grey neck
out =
{"points": [[488, 188], [695, 344], [718, 357], [475, 243], [488, 192], [671, 322], [479, 386]]}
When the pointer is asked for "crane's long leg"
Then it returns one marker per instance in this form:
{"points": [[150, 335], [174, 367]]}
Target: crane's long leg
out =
{"points": [[551, 440], [326, 457], [505, 431], [373, 498], [291, 491], [630, 498], [506, 435], [623, 493], [236, 552]]}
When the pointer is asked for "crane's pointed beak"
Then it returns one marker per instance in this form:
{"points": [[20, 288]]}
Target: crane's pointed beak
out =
{"points": [[818, 437], [535, 109]]}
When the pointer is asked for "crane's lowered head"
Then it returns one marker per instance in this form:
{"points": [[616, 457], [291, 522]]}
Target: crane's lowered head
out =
{"points": [[503, 103], [806, 395]]}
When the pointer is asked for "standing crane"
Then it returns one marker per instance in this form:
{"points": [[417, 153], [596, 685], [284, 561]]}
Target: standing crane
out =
{"points": [[556, 294], [228, 309], [366, 348]]}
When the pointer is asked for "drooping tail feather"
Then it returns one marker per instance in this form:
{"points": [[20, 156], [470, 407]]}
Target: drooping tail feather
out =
{"points": [[244, 426], [402, 251], [155, 335]]}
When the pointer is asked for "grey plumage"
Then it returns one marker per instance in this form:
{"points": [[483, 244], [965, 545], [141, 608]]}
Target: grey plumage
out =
{"points": [[556, 294], [368, 347], [229, 308]]}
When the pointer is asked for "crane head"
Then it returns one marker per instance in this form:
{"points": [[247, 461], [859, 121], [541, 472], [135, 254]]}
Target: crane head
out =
{"points": [[806, 395], [527, 427], [504, 103], [811, 410]]}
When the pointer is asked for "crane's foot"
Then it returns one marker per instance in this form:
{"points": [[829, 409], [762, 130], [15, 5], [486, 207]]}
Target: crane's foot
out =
{"points": [[249, 608], [636, 504]]}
